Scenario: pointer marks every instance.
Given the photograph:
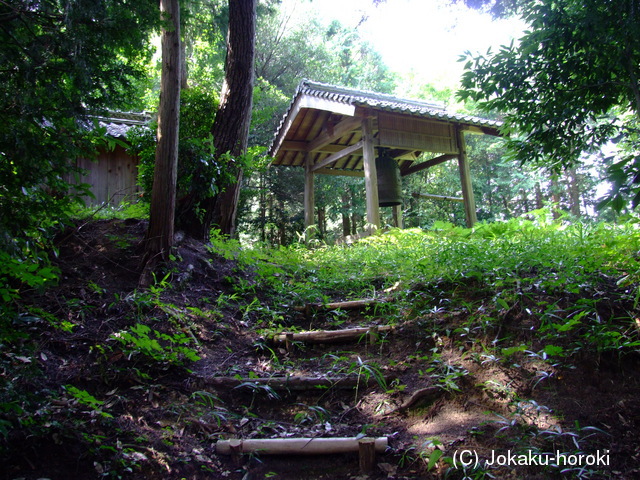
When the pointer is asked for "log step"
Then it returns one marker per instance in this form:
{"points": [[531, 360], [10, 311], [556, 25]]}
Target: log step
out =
{"points": [[331, 336], [347, 305], [298, 446]]}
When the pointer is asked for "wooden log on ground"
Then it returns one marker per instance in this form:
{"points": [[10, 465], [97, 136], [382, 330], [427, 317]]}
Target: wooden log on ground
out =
{"points": [[297, 446], [296, 383], [331, 336], [348, 305]]}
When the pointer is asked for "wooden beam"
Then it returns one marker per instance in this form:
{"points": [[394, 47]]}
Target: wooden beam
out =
{"points": [[428, 164], [465, 180], [282, 133], [340, 172], [493, 131], [337, 156], [367, 459], [341, 129], [436, 197], [296, 146], [370, 174]]}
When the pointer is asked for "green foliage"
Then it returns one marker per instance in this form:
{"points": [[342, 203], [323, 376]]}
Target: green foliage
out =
{"points": [[444, 374], [29, 272], [156, 346], [47, 93], [514, 263], [196, 159], [202, 172], [85, 398], [565, 87], [61, 62]]}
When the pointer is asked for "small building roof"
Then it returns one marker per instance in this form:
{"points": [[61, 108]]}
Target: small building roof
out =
{"points": [[323, 120], [119, 123]]}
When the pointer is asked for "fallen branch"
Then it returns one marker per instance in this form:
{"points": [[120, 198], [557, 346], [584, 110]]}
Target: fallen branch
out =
{"points": [[297, 446], [331, 336], [429, 393]]}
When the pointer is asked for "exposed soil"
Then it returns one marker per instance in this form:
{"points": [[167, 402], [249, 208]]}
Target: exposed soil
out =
{"points": [[161, 418]]}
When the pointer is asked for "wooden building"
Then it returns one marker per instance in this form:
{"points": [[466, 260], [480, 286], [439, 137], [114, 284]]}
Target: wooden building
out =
{"points": [[339, 131], [113, 174]]}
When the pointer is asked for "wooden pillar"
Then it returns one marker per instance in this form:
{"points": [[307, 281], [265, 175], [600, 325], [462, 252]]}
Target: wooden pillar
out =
{"points": [[465, 180], [367, 450], [370, 175], [309, 196]]}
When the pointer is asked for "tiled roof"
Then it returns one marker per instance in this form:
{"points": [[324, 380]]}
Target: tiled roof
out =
{"points": [[389, 103], [120, 123], [351, 97]]}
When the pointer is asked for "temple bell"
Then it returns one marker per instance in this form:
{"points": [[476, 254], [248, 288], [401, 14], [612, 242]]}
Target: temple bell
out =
{"points": [[389, 180]]}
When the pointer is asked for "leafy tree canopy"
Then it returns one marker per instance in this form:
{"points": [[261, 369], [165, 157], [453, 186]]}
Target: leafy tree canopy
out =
{"points": [[567, 86], [61, 62]]}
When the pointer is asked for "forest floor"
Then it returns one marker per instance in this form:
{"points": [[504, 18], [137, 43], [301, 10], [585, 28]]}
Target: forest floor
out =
{"points": [[110, 389]]}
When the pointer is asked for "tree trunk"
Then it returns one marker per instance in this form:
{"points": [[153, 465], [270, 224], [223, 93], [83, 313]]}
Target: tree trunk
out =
{"points": [[275, 219], [346, 225], [346, 221], [539, 200], [555, 196], [231, 126], [159, 239], [263, 208], [322, 222], [525, 201], [282, 225], [574, 192]]}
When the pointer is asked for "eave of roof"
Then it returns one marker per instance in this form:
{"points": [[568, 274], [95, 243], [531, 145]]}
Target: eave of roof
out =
{"points": [[376, 101]]}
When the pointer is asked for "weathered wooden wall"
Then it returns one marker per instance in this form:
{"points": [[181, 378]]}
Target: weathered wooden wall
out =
{"points": [[113, 177], [408, 132]]}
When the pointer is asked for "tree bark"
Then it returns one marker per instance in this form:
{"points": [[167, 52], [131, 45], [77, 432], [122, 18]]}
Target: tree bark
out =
{"points": [[322, 223], [555, 196], [539, 200], [263, 208], [346, 221], [574, 192], [159, 239], [231, 126], [525, 201]]}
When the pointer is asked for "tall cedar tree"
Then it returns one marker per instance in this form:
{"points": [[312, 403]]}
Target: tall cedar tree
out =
{"points": [[231, 126], [159, 238]]}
